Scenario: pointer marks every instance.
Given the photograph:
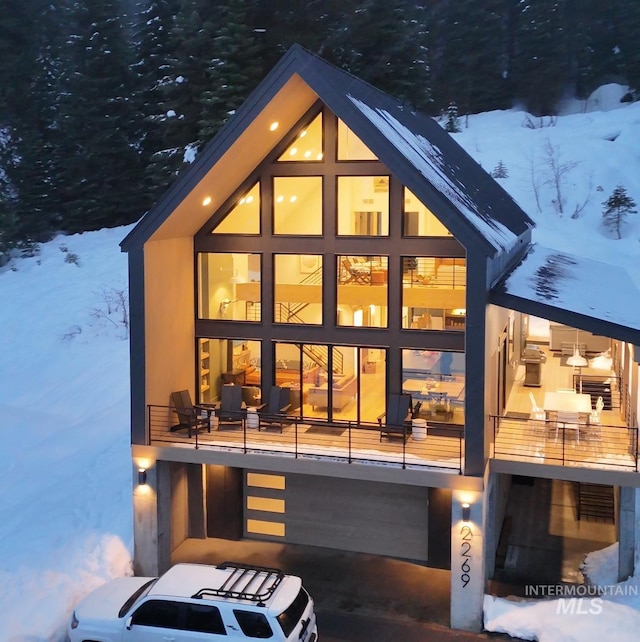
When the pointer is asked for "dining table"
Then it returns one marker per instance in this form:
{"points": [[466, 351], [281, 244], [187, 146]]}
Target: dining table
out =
{"points": [[567, 402], [436, 389]]}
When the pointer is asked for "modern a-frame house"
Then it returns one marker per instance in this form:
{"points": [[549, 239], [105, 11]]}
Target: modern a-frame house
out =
{"points": [[333, 243]]}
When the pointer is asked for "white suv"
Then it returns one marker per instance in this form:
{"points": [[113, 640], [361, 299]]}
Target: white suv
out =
{"points": [[230, 602]]}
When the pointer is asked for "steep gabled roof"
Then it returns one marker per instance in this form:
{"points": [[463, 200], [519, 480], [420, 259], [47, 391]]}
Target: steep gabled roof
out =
{"points": [[413, 146]]}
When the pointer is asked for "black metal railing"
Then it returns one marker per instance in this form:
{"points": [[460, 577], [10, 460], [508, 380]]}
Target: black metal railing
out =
{"points": [[595, 446], [298, 437]]}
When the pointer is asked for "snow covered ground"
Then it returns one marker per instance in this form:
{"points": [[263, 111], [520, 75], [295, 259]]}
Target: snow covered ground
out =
{"points": [[65, 491]]}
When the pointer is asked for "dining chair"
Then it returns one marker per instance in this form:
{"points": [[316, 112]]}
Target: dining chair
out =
{"points": [[569, 421], [595, 416]]}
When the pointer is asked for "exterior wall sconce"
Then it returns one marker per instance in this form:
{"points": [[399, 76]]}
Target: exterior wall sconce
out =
{"points": [[142, 476], [466, 512]]}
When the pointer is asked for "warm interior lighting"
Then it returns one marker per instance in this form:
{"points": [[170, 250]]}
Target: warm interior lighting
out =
{"points": [[466, 512], [576, 359], [273, 126], [206, 201], [293, 199], [319, 156], [142, 476], [293, 151], [280, 199], [303, 133]]}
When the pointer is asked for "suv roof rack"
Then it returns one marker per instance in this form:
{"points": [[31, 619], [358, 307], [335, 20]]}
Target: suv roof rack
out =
{"points": [[238, 584]]}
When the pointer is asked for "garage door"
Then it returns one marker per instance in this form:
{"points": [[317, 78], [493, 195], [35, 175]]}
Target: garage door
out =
{"points": [[352, 515]]}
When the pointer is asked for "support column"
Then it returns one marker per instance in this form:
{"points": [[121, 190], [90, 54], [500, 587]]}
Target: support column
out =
{"points": [[151, 514], [467, 560], [628, 532]]}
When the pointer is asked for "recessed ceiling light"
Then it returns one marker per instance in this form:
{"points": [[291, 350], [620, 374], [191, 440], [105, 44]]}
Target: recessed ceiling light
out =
{"points": [[280, 199], [206, 201], [307, 154], [303, 133], [293, 199], [319, 156], [293, 151], [249, 199], [273, 126]]}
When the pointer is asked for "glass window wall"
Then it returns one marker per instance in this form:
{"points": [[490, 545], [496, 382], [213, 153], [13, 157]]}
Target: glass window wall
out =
{"points": [[437, 380], [298, 288], [417, 219], [229, 361], [363, 205], [229, 286], [362, 291], [297, 205], [433, 293]]}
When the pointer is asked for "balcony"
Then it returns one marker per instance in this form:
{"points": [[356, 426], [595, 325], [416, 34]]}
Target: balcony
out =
{"points": [[607, 446], [337, 441]]}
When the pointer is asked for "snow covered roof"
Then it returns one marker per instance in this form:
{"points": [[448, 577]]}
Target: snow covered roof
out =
{"points": [[430, 161], [574, 290], [414, 147]]}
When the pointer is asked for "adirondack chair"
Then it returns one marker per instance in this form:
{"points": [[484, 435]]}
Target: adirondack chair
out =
{"points": [[394, 423], [190, 418]]}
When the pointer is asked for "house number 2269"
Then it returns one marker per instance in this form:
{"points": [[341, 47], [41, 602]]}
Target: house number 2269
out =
{"points": [[465, 552]]}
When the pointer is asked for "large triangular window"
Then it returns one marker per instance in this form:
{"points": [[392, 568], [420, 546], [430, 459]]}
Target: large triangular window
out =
{"points": [[244, 216], [307, 145], [350, 147]]}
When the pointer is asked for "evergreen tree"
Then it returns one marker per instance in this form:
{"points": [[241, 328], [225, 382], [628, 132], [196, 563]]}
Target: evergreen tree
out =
{"points": [[500, 171], [153, 26], [232, 72], [28, 103], [540, 64], [101, 179], [616, 209], [471, 55], [185, 80], [452, 123], [384, 43]]}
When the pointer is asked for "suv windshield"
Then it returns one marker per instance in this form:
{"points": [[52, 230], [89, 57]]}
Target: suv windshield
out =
{"points": [[291, 616], [124, 609]]}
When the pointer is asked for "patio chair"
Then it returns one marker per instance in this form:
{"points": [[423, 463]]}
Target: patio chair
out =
{"points": [[190, 417], [355, 274], [230, 412], [273, 414], [394, 423]]}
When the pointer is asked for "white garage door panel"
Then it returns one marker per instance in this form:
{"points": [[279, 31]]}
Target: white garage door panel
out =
{"points": [[366, 517]]}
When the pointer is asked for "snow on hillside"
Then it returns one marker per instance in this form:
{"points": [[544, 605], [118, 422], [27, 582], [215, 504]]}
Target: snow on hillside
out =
{"points": [[65, 500]]}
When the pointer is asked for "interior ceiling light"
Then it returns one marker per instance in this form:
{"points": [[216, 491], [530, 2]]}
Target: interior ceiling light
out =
{"points": [[307, 154], [280, 199], [303, 133], [293, 151], [293, 199], [206, 201], [249, 199], [319, 156], [273, 126]]}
